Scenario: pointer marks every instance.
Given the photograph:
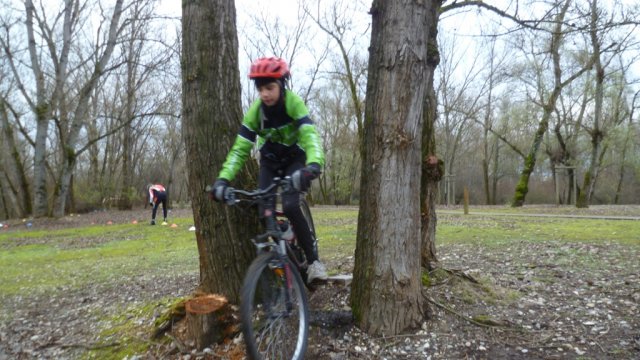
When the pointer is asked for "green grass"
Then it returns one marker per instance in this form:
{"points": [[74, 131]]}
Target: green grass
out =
{"points": [[336, 230], [43, 261], [497, 230], [35, 261], [125, 329]]}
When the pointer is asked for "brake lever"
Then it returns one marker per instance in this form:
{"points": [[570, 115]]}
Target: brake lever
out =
{"points": [[230, 196]]}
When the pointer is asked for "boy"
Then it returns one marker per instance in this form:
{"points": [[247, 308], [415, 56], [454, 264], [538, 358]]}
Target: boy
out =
{"points": [[289, 146]]}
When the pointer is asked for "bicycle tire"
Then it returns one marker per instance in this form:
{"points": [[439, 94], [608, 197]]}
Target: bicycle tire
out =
{"points": [[271, 331]]}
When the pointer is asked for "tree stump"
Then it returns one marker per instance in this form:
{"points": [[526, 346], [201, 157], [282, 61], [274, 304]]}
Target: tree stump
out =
{"points": [[209, 319]]}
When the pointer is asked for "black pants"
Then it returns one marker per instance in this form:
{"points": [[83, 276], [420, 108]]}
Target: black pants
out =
{"points": [[160, 197], [290, 202]]}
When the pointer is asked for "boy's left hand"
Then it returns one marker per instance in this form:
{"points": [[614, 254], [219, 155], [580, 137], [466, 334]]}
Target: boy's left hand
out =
{"points": [[302, 178]]}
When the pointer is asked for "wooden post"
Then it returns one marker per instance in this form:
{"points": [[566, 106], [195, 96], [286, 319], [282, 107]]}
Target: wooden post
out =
{"points": [[557, 185], [465, 194], [209, 319]]}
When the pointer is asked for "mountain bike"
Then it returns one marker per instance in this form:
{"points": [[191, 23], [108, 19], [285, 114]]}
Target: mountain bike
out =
{"points": [[274, 308]]}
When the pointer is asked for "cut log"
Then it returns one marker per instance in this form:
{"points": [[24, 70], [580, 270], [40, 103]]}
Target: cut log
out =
{"points": [[209, 319]]}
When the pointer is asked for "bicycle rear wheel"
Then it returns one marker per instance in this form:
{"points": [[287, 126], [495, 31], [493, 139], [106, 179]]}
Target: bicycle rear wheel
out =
{"points": [[274, 310]]}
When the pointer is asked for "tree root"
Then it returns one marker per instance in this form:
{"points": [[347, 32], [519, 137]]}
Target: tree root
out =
{"points": [[461, 274], [488, 323]]}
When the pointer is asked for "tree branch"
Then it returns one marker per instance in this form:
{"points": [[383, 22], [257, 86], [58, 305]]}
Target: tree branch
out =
{"points": [[501, 137], [530, 24]]}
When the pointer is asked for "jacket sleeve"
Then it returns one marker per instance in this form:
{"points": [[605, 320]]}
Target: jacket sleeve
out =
{"points": [[243, 144], [308, 137]]}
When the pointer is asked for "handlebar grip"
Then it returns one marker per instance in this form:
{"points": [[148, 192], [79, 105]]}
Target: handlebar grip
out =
{"points": [[229, 196]]}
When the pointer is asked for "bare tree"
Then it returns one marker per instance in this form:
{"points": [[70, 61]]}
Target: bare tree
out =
{"points": [[460, 99], [348, 70], [548, 103], [623, 158], [52, 86], [272, 35], [338, 23], [490, 146], [13, 176], [338, 182], [139, 102], [598, 29], [69, 124], [40, 104]]}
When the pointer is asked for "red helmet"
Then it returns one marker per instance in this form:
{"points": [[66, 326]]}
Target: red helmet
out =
{"points": [[271, 67]]}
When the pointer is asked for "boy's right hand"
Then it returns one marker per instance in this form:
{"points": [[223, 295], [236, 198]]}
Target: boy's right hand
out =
{"points": [[218, 192]]}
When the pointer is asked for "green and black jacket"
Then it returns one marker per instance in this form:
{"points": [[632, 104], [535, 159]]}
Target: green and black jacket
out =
{"points": [[279, 136]]}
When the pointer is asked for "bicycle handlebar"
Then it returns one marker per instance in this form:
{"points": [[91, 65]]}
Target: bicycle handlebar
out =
{"points": [[231, 193]]}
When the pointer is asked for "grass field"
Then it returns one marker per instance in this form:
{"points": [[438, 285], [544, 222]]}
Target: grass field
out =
{"points": [[35, 261], [50, 262]]}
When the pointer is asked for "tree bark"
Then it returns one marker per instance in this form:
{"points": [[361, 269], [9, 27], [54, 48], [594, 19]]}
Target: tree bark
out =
{"points": [[211, 118], [386, 292], [432, 167], [11, 161], [42, 111]]}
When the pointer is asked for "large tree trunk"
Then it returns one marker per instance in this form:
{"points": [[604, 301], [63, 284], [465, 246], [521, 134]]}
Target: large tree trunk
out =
{"points": [[386, 292], [40, 200], [42, 113], [431, 166], [11, 161], [210, 121], [530, 161], [124, 202]]}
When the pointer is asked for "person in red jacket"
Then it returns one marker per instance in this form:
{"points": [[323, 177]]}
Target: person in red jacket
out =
{"points": [[157, 195]]}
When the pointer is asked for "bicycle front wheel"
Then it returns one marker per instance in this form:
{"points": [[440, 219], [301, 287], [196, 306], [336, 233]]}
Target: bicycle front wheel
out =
{"points": [[274, 310]]}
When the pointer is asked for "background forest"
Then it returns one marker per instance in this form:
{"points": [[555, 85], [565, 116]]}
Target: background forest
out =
{"points": [[90, 98]]}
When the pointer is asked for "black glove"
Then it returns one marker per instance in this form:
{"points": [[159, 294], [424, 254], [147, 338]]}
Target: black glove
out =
{"points": [[301, 178], [219, 190]]}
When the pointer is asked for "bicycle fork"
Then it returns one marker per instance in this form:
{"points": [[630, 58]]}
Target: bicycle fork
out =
{"points": [[288, 276]]}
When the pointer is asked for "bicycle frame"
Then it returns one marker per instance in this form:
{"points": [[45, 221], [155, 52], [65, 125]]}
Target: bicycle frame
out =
{"points": [[276, 264], [272, 237]]}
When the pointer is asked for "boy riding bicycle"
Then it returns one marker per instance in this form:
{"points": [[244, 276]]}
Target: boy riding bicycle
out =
{"points": [[289, 146]]}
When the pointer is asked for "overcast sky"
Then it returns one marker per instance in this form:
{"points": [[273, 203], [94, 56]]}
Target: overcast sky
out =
{"points": [[464, 25]]}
